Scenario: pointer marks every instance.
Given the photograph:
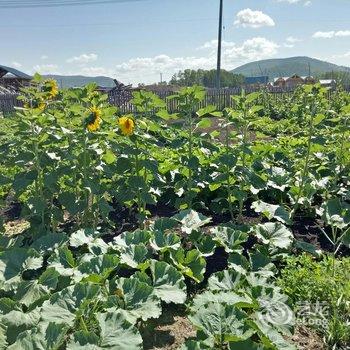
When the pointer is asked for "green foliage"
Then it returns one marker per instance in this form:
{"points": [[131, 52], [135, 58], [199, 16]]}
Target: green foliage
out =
{"points": [[287, 67], [305, 279], [86, 177], [206, 78]]}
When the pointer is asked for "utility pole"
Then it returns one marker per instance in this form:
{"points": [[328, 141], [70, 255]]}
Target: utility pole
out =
{"points": [[218, 72]]}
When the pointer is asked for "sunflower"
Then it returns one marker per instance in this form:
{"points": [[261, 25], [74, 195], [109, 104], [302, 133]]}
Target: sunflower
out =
{"points": [[51, 88], [126, 125], [93, 121], [119, 292], [37, 103]]}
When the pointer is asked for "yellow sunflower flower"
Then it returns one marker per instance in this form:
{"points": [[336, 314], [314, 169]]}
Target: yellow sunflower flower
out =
{"points": [[126, 125], [51, 87], [35, 104], [94, 119], [119, 292]]}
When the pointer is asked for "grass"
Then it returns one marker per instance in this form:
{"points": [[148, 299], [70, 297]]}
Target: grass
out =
{"points": [[311, 282]]}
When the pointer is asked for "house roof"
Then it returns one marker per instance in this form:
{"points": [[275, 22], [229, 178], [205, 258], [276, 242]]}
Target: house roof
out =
{"points": [[18, 74], [280, 78], [304, 77], [327, 81], [295, 76], [257, 80]]}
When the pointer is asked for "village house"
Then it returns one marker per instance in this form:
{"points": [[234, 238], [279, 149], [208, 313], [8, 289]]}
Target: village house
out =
{"points": [[331, 83], [295, 80], [12, 79], [257, 81]]}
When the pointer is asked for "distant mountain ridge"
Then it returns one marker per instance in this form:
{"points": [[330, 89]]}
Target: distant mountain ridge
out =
{"points": [[273, 68], [288, 66], [68, 81]]}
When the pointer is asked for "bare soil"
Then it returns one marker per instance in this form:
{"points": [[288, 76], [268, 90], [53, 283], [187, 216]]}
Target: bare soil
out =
{"points": [[306, 339], [169, 332]]}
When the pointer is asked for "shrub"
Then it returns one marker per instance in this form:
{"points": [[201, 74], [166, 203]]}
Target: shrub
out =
{"points": [[307, 280]]}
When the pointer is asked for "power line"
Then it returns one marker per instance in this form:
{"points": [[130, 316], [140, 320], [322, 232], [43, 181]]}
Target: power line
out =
{"points": [[56, 3], [89, 24]]}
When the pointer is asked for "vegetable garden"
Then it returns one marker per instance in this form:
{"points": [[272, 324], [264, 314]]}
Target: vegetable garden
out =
{"points": [[231, 217]]}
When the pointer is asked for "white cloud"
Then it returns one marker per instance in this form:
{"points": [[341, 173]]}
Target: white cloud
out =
{"points": [[213, 44], [304, 2], [94, 71], [147, 69], [340, 59], [252, 49], [44, 57], [331, 34], [83, 58], [342, 33], [253, 19], [46, 69], [142, 66], [323, 35], [291, 41], [344, 55], [16, 64]]}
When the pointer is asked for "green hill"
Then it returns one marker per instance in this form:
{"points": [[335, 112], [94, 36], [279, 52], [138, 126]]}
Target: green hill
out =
{"points": [[67, 81], [288, 66]]}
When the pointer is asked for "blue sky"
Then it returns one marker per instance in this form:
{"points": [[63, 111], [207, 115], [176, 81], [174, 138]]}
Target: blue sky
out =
{"points": [[135, 41]]}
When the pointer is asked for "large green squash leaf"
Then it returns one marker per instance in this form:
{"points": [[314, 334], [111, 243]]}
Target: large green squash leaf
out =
{"points": [[223, 297], [228, 280], [99, 267], [3, 340], [191, 220], [229, 238], [14, 262], [169, 284], [135, 299], [272, 211], [246, 345], [62, 307], [117, 333], [17, 321], [135, 256], [50, 242], [275, 235], [82, 340], [30, 291], [335, 213], [191, 263], [222, 322], [64, 263], [41, 338], [132, 238], [91, 239], [164, 241]]}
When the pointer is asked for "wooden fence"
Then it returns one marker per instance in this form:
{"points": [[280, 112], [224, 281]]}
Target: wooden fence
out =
{"points": [[220, 98], [8, 102]]}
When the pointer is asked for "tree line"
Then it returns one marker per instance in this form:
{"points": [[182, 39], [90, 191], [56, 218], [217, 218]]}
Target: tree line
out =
{"points": [[207, 78]]}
